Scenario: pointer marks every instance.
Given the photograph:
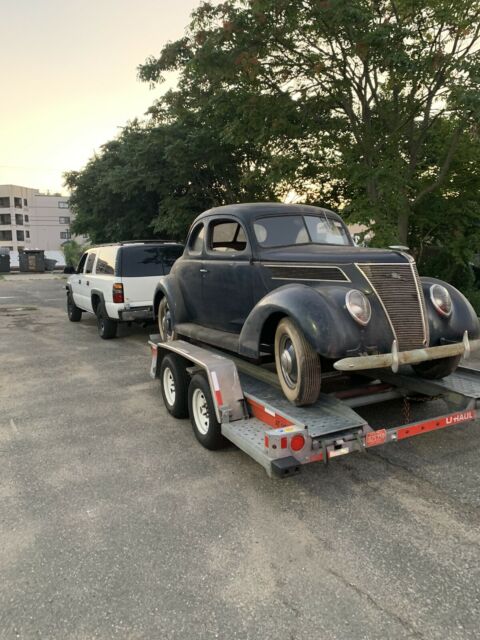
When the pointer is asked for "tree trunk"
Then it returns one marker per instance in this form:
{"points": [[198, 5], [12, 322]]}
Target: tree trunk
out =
{"points": [[403, 217]]}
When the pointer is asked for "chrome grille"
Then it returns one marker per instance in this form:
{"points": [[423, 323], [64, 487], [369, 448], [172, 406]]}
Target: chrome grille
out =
{"points": [[400, 291], [306, 272]]}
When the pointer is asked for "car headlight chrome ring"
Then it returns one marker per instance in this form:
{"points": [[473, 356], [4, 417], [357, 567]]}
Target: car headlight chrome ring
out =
{"points": [[441, 300], [358, 306]]}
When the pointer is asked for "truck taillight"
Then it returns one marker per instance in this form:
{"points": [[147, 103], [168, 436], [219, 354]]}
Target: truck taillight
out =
{"points": [[117, 292]]}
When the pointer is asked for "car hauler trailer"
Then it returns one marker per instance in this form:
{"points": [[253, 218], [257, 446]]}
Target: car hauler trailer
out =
{"points": [[229, 398]]}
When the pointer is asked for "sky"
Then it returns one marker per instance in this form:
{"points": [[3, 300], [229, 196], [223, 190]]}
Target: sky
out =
{"points": [[68, 74]]}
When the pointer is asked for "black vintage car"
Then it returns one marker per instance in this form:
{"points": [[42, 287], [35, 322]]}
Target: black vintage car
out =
{"points": [[287, 280]]}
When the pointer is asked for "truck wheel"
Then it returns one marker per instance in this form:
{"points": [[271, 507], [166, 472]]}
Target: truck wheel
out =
{"points": [[165, 326], [436, 369], [298, 364], [107, 328], [205, 425], [73, 312], [174, 380]]}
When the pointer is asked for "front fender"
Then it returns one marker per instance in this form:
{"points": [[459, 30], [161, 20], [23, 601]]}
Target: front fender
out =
{"points": [[463, 317], [323, 318], [167, 286]]}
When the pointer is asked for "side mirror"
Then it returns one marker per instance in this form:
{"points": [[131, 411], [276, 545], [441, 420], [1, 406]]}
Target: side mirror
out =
{"points": [[69, 270]]}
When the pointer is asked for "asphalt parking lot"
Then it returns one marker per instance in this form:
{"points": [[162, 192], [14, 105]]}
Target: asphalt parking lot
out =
{"points": [[114, 522]]}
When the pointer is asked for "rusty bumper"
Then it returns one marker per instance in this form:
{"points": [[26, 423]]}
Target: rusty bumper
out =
{"points": [[396, 358]]}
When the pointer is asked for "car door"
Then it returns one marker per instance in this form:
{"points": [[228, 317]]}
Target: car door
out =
{"points": [[85, 288], [76, 282], [189, 273], [228, 275]]}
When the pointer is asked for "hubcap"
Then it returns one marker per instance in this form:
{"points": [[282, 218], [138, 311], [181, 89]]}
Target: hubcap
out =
{"points": [[200, 411], [166, 322], [169, 386], [288, 361]]}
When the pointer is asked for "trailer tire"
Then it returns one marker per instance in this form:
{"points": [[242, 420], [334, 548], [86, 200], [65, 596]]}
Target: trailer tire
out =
{"points": [[298, 364], [436, 369], [205, 425], [174, 385], [107, 328], [73, 312]]}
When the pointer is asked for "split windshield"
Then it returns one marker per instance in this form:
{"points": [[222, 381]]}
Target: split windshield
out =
{"points": [[280, 231]]}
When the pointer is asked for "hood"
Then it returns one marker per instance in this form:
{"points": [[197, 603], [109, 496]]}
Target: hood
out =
{"points": [[319, 253]]}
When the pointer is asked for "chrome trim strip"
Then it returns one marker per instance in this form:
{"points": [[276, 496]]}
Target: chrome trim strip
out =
{"points": [[306, 265], [421, 299]]}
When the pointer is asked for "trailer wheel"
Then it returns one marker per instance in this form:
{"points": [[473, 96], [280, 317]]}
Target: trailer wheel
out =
{"points": [[174, 384], [165, 326], [73, 312], [436, 369], [205, 425], [297, 363]]}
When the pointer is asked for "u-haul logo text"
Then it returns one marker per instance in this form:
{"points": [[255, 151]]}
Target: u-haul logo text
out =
{"points": [[462, 416]]}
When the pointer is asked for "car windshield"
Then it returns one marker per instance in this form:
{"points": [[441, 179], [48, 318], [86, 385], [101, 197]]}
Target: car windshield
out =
{"points": [[278, 231]]}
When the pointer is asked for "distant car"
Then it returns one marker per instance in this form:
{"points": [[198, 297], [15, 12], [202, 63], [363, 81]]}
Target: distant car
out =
{"points": [[116, 282], [287, 280]]}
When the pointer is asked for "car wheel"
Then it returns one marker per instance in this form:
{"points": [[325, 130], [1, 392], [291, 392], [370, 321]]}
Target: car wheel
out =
{"points": [[205, 425], [107, 328], [436, 369], [73, 312], [165, 325], [298, 364], [174, 380]]}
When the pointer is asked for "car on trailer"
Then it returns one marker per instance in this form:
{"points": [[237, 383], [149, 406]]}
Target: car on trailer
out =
{"points": [[287, 282]]}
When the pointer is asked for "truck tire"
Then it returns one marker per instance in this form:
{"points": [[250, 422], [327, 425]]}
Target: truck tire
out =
{"points": [[205, 425], [436, 369], [297, 363], [73, 312], [107, 328], [174, 381]]}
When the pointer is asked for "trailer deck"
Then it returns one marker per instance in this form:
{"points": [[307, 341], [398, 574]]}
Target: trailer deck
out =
{"points": [[253, 413]]}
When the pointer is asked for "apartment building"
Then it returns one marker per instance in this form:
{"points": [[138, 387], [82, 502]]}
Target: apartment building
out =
{"points": [[33, 220]]}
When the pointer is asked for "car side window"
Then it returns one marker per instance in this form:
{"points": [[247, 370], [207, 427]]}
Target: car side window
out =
{"points": [[106, 261], [81, 264], [90, 261], [227, 236], [195, 244]]}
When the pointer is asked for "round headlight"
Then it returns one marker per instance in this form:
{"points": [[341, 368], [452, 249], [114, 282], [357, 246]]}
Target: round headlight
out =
{"points": [[441, 300], [358, 306]]}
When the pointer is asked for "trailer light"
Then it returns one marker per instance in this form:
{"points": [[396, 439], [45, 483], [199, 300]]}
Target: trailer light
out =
{"points": [[117, 292], [297, 442], [441, 300], [283, 442], [266, 442], [358, 306]]}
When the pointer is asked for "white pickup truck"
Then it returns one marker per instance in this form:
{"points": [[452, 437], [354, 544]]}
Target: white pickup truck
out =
{"points": [[116, 282]]}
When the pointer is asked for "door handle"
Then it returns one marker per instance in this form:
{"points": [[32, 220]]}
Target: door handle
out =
{"points": [[79, 282], [203, 270], [87, 283]]}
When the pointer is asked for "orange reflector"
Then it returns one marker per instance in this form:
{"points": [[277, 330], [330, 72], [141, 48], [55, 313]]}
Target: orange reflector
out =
{"points": [[267, 442], [297, 443], [283, 443]]}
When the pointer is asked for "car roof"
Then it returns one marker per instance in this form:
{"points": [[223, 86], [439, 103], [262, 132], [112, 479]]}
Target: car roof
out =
{"points": [[247, 211], [130, 243]]}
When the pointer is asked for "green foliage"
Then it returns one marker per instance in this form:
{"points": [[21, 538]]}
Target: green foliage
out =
{"points": [[72, 251]]}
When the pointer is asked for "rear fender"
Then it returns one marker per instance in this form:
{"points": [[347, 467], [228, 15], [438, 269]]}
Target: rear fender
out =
{"points": [[168, 287], [322, 316], [463, 317]]}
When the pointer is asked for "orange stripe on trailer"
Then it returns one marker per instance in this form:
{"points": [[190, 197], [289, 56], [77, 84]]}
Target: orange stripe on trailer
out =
{"points": [[273, 420], [437, 423]]}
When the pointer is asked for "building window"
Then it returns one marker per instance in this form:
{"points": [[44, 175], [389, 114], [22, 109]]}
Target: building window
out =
{"points": [[19, 219], [25, 202], [65, 235], [64, 220], [20, 236], [4, 202], [26, 219], [19, 248], [6, 235], [5, 218], [17, 202], [62, 205], [27, 234]]}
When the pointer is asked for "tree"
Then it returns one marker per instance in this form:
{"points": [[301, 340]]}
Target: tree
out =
{"points": [[345, 94]]}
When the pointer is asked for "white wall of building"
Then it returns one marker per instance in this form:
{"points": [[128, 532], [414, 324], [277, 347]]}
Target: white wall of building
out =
{"points": [[33, 220]]}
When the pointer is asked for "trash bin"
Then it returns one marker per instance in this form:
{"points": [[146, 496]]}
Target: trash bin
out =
{"points": [[50, 264], [32, 260], [4, 263]]}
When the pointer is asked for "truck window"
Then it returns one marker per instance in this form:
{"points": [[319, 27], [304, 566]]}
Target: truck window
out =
{"points": [[141, 261], [90, 261], [106, 261]]}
